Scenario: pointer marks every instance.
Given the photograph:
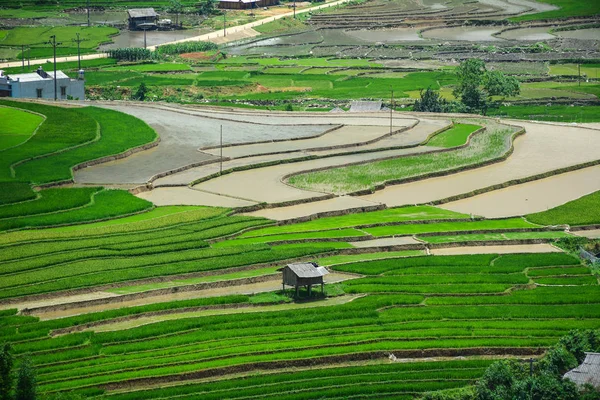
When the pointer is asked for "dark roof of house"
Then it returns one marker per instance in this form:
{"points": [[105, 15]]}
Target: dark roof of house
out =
{"points": [[307, 270], [142, 13], [587, 372]]}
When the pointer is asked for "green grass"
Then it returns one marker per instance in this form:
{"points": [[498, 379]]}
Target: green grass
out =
{"points": [[192, 281], [49, 200], [13, 192], [566, 9], [583, 211], [489, 145], [390, 215], [587, 70], [412, 229], [112, 124], [332, 234], [32, 36], [162, 67], [160, 217], [23, 125], [63, 128], [453, 137], [351, 258], [495, 236], [557, 113], [105, 204]]}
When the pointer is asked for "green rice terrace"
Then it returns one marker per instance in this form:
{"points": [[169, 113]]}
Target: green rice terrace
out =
{"points": [[110, 295], [372, 199]]}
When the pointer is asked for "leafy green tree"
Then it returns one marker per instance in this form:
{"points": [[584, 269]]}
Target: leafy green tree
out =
{"points": [[476, 85], [141, 92], [206, 7], [6, 364], [175, 7], [430, 101], [26, 382]]}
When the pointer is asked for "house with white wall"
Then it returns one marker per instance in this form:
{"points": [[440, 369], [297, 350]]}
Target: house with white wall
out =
{"points": [[40, 85]]}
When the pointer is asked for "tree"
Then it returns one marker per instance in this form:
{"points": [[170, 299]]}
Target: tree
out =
{"points": [[476, 85], [176, 8], [430, 101], [206, 7], [6, 364], [26, 382], [141, 92]]}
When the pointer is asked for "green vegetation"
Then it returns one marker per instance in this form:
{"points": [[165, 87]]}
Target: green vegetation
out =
{"points": [[22, 126], [36, 38], [453, 137], [49, 200], [13, 192], [557, 113], [390, 215], [565, 9], [495, 236], [583, 211], [486, 146]]}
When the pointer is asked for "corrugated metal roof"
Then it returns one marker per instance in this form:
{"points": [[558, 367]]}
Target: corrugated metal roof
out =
{"points": [[588, 372], [307, 270], [142, 13], [34, 76], [365, 106]]}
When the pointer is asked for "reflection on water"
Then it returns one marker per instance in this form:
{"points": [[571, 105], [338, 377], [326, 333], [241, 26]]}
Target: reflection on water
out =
{"points": [[153, 38], [387, 35], [583, 34], [470, 34], [528, 34]]}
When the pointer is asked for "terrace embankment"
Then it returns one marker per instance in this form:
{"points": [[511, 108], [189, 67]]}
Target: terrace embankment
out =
{"points": [[100, 301], [530, 197], [543, 149]]}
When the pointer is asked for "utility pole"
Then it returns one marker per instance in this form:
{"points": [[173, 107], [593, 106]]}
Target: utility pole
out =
{"points": [[54, 44], [391, 110], [78, 41], [294, 9], [88, 12], [579, 73], [224, 24], [221, 164], [22, 58]]}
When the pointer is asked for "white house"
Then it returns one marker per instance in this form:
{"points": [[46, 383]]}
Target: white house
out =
{"points": [[40, 85]]}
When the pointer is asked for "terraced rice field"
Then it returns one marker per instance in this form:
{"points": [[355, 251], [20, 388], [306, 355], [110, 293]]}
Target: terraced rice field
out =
{"points": [[186, 301]]}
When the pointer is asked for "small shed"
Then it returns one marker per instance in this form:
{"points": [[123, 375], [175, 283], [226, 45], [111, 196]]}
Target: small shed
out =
{"points": [[303, 274], [142, 18], [588, 372], [365, 106]]}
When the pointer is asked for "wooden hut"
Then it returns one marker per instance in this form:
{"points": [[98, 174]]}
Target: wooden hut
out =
{"points": [[142, 18], [588, 372], [303, 274]]}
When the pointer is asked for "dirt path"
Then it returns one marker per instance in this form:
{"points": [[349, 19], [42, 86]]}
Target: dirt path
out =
{"points": [[260, 287], [543, 148], [530, 197], [513, 248]]}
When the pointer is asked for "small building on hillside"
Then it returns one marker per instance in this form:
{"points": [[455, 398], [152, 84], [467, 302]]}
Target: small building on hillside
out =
{"points": [[303, 274], [365, 106], [245, 4], [588, 372], [40, 85], [142, 18]]}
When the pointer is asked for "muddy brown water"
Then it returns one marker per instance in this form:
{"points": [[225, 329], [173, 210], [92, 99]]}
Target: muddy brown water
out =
{"points": [[386, 35], [463, 33]]}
